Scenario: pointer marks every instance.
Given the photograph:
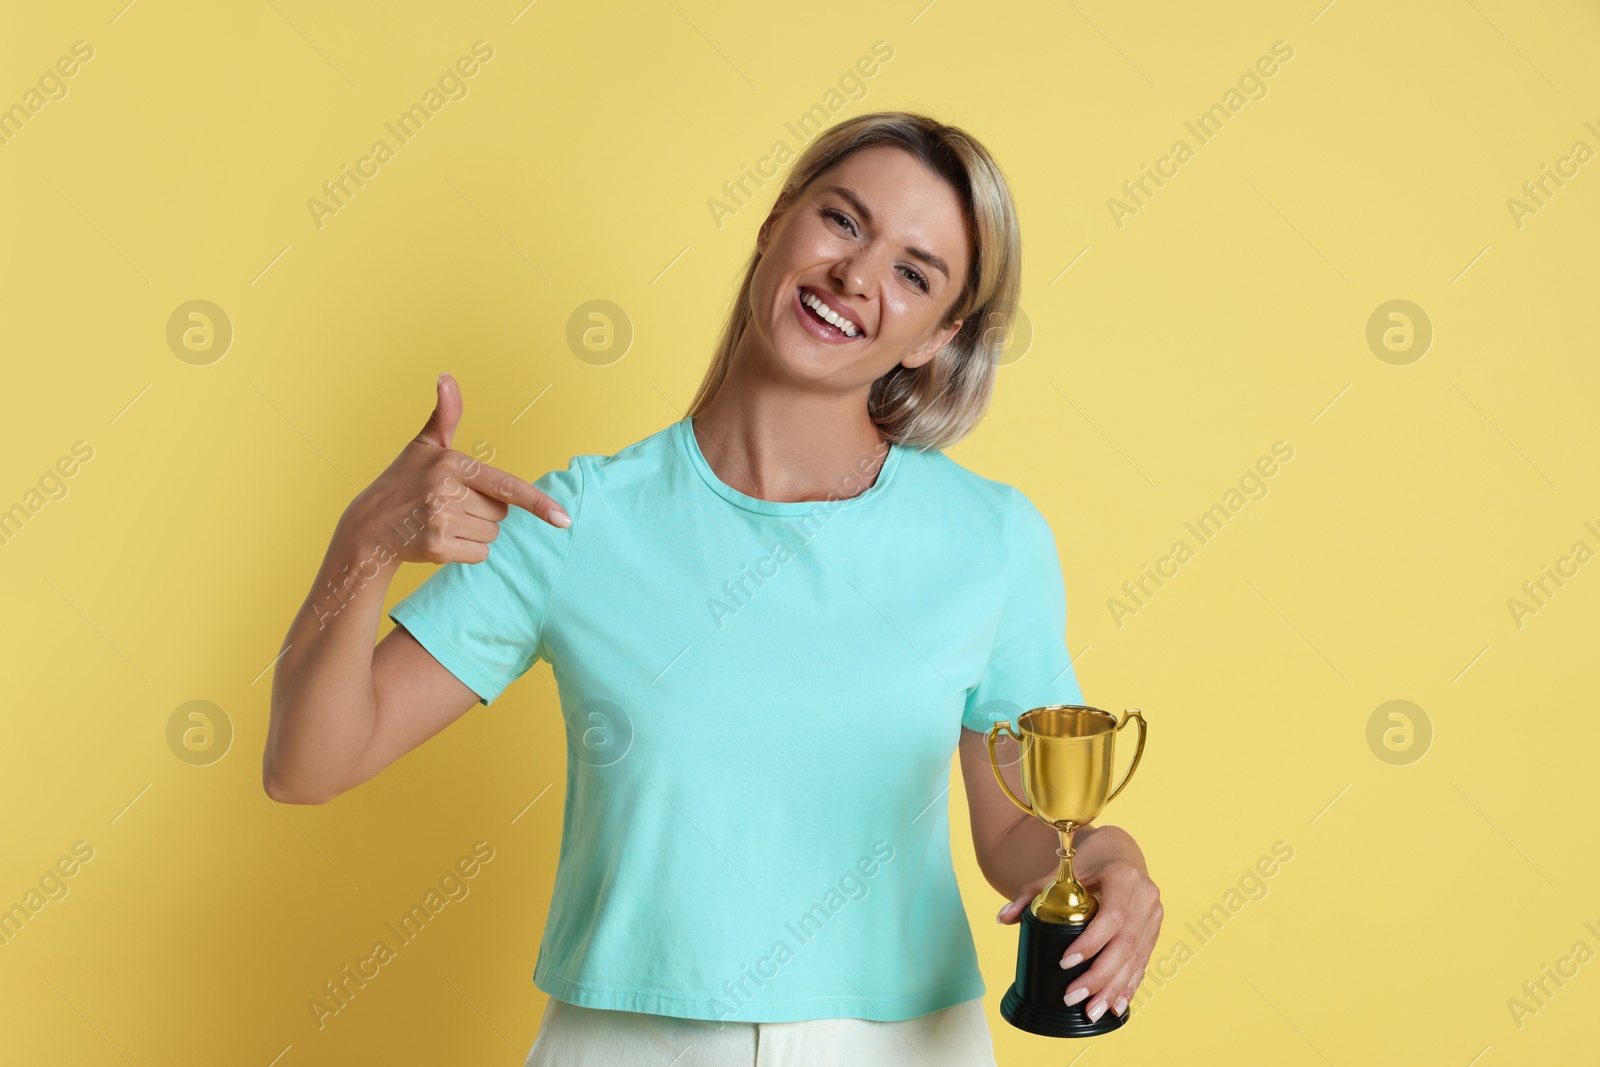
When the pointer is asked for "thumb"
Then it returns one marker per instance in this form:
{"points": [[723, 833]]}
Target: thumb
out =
{"points": [[441, 425], [1012, 912]]}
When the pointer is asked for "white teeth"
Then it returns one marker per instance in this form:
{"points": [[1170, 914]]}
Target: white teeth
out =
{"points": [[844, 324]]}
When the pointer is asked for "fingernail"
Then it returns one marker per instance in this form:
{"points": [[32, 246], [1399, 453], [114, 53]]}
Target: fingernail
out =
{"points": [[1121, 1005], [1075, 995], [1097, 1009], [1072, 960], [563, 520]]}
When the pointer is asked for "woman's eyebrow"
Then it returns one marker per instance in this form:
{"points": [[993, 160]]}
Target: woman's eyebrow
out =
{"points": [[866, 216]]}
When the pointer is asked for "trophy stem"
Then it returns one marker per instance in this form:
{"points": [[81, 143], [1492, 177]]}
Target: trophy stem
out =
{"points": [[1065, 900]]}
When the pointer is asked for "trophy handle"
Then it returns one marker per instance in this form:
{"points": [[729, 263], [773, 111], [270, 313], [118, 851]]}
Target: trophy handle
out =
{"points": [[1130, 714], [994, 731]]}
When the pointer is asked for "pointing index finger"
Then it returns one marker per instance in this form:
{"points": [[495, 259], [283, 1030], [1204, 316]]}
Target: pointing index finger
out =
{"points": [[502, 485]]}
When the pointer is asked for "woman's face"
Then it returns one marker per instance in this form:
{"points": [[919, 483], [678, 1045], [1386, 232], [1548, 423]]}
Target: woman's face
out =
{"points": [[881, 240]]}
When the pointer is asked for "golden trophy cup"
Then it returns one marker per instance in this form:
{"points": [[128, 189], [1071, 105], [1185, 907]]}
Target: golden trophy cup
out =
{"points": [[1066, 757]]}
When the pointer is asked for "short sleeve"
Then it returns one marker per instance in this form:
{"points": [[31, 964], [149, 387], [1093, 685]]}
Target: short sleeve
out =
{"points": [[1029, 665], [484, 622]]}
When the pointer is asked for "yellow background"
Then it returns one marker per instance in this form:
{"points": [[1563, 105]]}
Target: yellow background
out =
{"points": [[1229, 313]]}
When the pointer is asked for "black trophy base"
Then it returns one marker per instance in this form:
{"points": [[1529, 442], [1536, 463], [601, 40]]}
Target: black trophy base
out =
{"points": [[1036, 1001]]}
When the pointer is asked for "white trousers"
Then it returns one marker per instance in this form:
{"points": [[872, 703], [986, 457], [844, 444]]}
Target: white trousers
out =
{"points": [[574, 1036]]}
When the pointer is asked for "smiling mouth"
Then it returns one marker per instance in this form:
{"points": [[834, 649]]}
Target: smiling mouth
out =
{"points": [[826, 319]]}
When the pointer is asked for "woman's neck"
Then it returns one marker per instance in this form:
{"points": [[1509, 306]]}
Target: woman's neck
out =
{"points": [[790, 448]]}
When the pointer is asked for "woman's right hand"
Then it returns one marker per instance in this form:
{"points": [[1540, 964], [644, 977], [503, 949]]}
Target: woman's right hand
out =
{"points": [[434, 504]]}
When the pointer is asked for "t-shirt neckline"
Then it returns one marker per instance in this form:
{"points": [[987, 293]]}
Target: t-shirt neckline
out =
{"points": [[691, 446]]}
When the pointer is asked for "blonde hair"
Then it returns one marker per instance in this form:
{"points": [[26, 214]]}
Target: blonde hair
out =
{"points": [[938, 403]]}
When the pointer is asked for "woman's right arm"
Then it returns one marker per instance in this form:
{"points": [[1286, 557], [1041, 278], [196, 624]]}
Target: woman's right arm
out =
{"points": [[342, 709]]}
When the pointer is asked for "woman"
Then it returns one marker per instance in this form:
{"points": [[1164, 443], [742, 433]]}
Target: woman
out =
{"points": [[771, 623]]}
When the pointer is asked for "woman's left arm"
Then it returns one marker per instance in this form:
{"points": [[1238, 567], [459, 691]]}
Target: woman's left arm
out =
{"points": [[1017, 854]]}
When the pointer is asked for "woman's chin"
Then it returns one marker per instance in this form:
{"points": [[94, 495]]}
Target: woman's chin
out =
{"points": [[808, 360]]}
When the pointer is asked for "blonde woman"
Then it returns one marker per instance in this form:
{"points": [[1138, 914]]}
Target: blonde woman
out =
{"points": [[771, 623]]}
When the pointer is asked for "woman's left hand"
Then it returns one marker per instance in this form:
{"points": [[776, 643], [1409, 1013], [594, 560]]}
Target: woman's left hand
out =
{"points": [[1123, 931]]}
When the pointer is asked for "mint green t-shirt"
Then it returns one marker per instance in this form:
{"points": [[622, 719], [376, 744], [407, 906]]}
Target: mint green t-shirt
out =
{"points": [[762, 700]]}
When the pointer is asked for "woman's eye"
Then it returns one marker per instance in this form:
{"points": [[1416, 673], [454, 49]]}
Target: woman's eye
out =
{"points": [[917, 279], [840, 217]]}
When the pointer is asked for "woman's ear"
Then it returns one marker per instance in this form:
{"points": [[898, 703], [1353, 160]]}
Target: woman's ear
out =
{"points": [[931, 347], [764, 235]]}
